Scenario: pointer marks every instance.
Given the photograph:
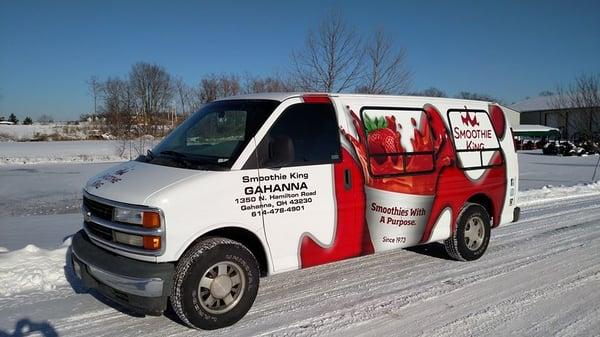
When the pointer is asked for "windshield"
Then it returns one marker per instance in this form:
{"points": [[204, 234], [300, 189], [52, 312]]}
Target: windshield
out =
{"points": [[213, 137]]}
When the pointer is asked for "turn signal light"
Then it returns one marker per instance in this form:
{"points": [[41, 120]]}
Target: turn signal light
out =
{"points": [[152, 242], [150, 220]]}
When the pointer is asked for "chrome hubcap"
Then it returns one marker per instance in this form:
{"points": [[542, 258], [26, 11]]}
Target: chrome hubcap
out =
{"points": [[474, 233], [221, 287]]}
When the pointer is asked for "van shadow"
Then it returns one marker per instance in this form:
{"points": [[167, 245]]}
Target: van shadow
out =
{"points": [[79, 288], [26, 327], [434, 249]]}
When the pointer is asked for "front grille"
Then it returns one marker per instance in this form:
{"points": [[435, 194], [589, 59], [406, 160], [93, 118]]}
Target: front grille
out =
{"points": [[99, 231], [99, 225], [98, 209]]}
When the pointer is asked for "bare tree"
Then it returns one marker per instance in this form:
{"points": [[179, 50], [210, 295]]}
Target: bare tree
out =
{"points": [[582, 97], [151, 85], [229, 85], [273, 83], [215, 86], [478, 96], [185, 97], [119, 106], [208, 89], [386, 71], [95, 88], [430, 92], [331, 60]]}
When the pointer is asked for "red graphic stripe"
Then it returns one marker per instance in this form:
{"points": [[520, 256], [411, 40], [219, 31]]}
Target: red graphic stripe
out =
{"points": [[351, 235]]}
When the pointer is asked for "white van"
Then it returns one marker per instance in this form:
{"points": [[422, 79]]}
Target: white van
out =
{"points": [[263, 184]]}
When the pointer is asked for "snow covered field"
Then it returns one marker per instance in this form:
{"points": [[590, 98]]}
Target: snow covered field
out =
{"points": [[537, 170], [76, 151], [26, 132], [539, 277], [44, 188], [61, 151]]}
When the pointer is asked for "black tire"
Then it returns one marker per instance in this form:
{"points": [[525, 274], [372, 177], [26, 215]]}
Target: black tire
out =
{"points": [[459, 246], [190, 300]]}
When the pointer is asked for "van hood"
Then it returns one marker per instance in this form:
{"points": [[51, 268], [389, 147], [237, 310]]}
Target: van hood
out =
{"points": [[133, 182]]}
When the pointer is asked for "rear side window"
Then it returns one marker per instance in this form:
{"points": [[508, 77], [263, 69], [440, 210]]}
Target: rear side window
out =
{"points": [[304, 134], [474, 139]]}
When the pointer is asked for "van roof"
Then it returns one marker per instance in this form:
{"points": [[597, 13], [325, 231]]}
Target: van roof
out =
{"points": [[282, 96]]}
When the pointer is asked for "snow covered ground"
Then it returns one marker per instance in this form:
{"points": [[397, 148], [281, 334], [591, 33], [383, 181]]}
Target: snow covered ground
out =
{"points": [[26, 132], [44, 188], [76, 151], [61, 151], [537, 170], [539, 277]]}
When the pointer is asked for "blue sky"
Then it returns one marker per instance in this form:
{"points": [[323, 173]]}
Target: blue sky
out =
{"points": [[508, 49]]}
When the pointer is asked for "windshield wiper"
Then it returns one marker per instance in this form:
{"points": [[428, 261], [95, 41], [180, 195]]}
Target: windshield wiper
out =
{"points": [[178, 157], [173, 153], [204, 161]]}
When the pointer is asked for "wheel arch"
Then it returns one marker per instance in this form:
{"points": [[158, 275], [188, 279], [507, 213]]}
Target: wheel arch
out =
{"points": [[244, 236], [486, 202]]}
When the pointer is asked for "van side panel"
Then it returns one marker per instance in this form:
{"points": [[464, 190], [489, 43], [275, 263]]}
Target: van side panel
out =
{"points": [[427, 203]]}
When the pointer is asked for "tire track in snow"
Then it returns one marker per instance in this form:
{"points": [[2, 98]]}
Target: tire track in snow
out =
{"points": [[365, 311], [494, 316]]}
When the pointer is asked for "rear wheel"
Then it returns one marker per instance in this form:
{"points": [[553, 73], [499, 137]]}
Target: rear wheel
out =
{"points": [[215, 284], [472, 236]]}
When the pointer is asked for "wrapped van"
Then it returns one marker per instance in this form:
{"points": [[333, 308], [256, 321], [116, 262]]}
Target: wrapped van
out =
{"points": [[262, 184]]}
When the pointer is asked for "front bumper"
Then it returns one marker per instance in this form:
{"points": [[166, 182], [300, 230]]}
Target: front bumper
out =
{"points": [[141, 286]]}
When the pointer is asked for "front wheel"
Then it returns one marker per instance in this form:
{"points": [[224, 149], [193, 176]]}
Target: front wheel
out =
{"points": [[472, 236], [215, 285]]}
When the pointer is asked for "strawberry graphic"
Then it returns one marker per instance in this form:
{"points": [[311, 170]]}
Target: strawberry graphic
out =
{"points": [[382, 138]]}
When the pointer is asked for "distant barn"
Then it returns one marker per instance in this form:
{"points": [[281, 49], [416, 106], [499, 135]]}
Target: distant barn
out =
{"points": [[572, 121]]}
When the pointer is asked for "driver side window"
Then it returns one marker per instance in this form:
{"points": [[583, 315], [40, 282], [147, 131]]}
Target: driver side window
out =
{"points": [[304, 134]]}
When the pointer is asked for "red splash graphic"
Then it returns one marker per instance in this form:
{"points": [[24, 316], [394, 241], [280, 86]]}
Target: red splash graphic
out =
{"points": [[351, 235], [449, 184], [498, 120], [468, 120], [387, 160]]}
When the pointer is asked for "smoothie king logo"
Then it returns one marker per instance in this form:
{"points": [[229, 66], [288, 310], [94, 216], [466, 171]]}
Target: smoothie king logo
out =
{"points": [[474, 136], [467, 120]]}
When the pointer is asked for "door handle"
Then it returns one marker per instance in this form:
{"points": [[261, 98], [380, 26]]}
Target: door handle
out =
{"points": [[347, 179]]}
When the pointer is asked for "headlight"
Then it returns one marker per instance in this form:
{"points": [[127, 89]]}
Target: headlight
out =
{"points": [[147, 219], [128, 239], [149, 242]]}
